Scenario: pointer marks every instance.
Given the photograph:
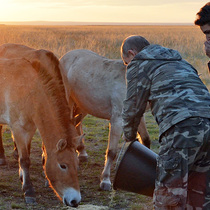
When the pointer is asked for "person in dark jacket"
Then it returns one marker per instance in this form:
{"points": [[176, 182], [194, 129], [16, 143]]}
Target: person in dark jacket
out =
{"points": [[180, 104], [203, 20]]}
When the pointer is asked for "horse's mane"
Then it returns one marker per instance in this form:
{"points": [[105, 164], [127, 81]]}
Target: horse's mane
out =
{"points": [[53, 85]]}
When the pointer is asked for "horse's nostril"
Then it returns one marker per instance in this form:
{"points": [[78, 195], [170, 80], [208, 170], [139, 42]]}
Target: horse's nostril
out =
{"points": [[74, 203]]}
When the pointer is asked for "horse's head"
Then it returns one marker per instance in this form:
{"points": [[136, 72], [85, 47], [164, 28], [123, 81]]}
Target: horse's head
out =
{"points": [[61, 171]]}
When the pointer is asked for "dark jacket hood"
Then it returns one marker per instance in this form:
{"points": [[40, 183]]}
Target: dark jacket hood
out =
{"points": [[157, 52]]}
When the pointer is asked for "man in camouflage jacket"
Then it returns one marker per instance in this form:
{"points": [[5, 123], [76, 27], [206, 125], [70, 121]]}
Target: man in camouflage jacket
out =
{"points": [[180, 103]]}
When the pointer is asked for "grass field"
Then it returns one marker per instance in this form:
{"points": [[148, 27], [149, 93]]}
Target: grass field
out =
{"points": [[106, 41]]}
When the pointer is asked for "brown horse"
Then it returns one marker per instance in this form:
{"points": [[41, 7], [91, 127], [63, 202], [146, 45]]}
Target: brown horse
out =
{"points": [[33, 96]]}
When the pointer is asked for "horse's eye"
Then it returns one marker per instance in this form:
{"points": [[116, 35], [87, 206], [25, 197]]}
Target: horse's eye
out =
{"points": [[63, 166]]}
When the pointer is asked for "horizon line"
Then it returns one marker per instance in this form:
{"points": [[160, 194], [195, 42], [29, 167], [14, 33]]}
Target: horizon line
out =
{"points": [[87, 23]]}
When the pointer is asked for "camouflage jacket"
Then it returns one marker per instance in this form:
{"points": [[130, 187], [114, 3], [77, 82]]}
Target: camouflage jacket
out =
{"points": [[171, 85]]}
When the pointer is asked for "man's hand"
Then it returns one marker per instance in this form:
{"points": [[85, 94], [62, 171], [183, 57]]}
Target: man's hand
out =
{"points": [[207, 48]]}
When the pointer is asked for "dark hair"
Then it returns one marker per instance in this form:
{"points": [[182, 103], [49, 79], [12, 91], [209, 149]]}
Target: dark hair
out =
{"points": [[203, 16], [133, 42]]}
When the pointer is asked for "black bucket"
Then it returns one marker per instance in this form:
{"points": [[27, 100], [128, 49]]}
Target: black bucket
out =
{"points": [[137, 170]]}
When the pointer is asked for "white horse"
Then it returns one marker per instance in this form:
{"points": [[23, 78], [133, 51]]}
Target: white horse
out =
{"points": [[96, 85]]}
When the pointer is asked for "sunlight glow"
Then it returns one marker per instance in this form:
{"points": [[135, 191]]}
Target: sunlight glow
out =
{"points": [[100, 11], [4, 4]]}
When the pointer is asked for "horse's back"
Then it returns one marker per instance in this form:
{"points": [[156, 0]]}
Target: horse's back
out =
{"points": [[45, 57], [94, 82], [11, 51]]}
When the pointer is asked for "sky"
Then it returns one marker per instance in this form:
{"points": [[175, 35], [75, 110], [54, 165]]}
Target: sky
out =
{"points": [[117, 11]]}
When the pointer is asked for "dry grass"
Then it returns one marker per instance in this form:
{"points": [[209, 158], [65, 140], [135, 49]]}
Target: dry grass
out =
{"points": [[106, 40]]}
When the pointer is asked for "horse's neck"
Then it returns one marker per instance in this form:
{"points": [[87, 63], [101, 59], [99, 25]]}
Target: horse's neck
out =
{"points": [[50, 126], [51, 107]]}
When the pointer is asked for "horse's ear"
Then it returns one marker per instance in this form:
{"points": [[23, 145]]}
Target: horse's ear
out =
{"points": [[61, 145], [76, 120]]}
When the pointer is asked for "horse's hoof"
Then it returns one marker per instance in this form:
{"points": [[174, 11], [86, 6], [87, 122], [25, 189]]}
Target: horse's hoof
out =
{"points": [[105, 185], [3, 161], [30, 200], [83, 159]]}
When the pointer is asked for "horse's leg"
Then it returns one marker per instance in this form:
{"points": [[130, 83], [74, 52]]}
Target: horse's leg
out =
{"points": [[23, 139], [15, 151], [115, 131], [142, 130], [43, 163], [83, 156], [2, 156]]}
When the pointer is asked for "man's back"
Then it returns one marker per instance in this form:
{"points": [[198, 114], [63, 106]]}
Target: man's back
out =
{"points": [[172, 86]]}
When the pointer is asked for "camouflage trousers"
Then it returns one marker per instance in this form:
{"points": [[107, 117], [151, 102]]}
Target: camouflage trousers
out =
{"points": [[183, 167]]}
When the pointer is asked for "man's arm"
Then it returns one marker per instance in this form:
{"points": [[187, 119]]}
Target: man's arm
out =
{"points": [[138, 86]]}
